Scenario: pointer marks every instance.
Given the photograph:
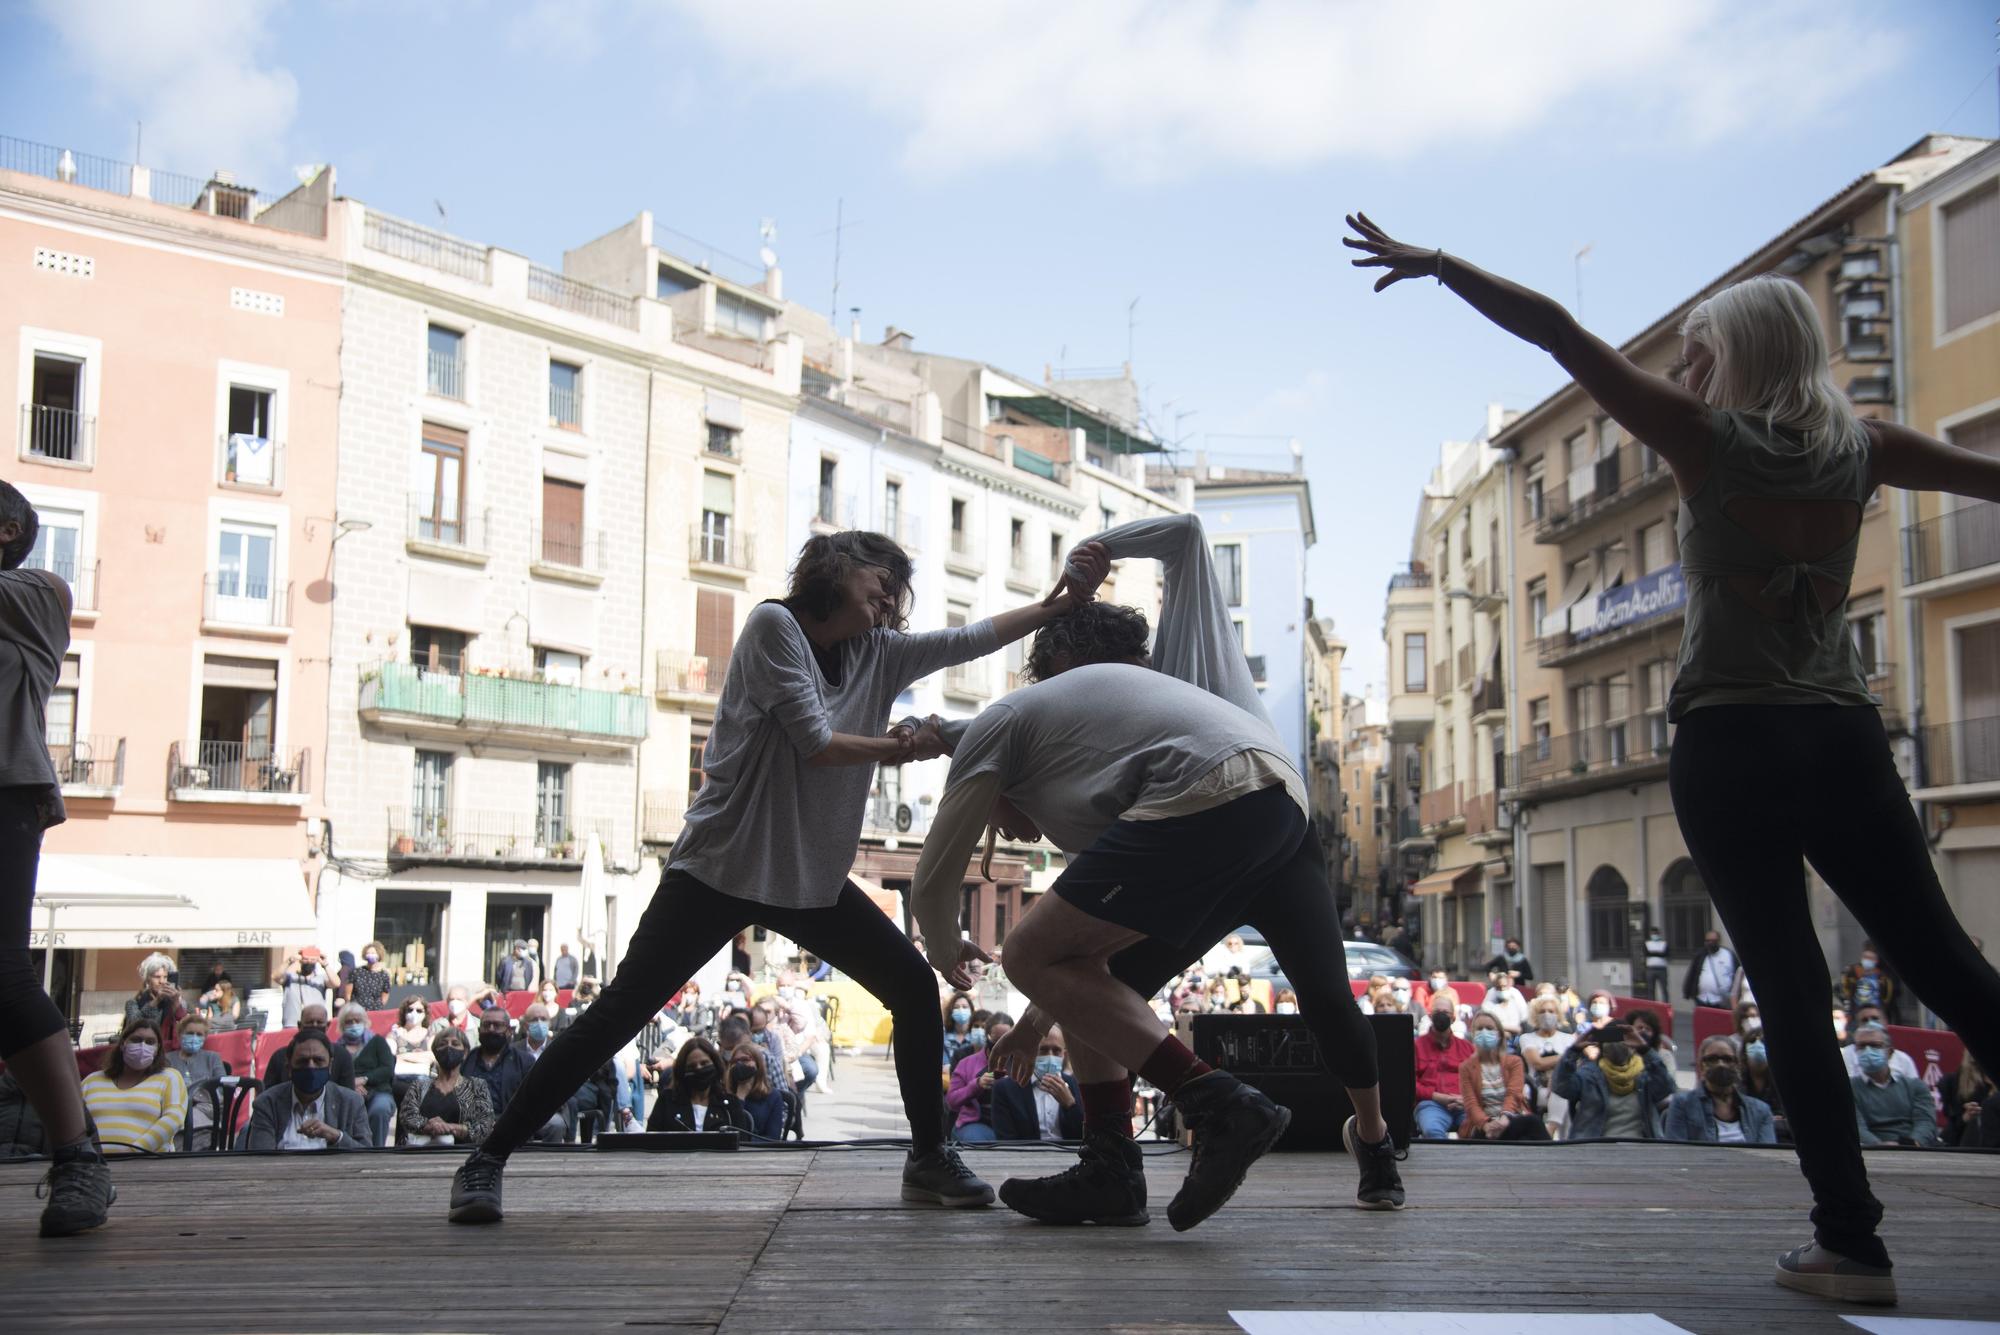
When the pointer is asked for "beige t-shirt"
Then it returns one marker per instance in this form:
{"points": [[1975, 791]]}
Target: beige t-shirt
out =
{"points": [[34, 633]]}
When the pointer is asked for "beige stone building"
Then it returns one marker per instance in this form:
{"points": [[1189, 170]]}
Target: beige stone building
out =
{"points": [[1332, 824], [1364, 755]]}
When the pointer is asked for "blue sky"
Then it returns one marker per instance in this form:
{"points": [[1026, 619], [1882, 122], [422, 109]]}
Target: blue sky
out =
{"points": [[1014, 174]]}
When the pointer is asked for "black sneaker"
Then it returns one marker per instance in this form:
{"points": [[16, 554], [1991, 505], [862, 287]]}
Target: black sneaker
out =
{"points": [[1815, 1270], [1381, 1185], [940, 1177], [1233, 1126], [475, 1189], [1106, 1185], [80, 1193]]}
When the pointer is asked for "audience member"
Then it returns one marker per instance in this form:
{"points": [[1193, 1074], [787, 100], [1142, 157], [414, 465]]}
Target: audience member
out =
{"points": [[1571, 1002], [565, 969], [370, 985], [1900, 1063], [957, 1012], [1646, 1029], [1746, 1017], [221, 1004], [535, 1031], [308, 1111], [1711, 974], [970, 1098], [1285, 1002], [1759, 1084], [765, 1037], [580, 997], [518, 972], [304, 981], [751, 1088], [343, 980], [1505, 1003], [1492, 1088], [312, 1020], [799, 1035], [600, 1102], [138, 1102], [1964, 1094], [1866, 983], [1512, 960], [1615, 1086], [458, 1014], [1050, 1107], [504, 1066], [1889, 1109], [374, 1068], [201, 1071], [694, 1098], [1440, 1054], [1541, 1047], [1717, 1111], [410, 1041], [1598, 1013], [1403, 995], [1656, 966], [158, 999], [1440, 984], [446, 1108], [1231, 954]]}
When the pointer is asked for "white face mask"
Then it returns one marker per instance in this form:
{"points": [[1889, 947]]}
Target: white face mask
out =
{"points": [[456, 1006], [1286, 1008], [1600, 1010]]}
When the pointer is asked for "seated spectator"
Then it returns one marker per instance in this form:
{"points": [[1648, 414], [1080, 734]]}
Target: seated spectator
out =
{"points": [[1402, 992], [1492, 1088], [1890, 1109], [765, 1037], [312, 1020], [1646, 1029], [138, 1102], [1440, 1054], [1597, 1014], [309, 1111], [503, 1067], [458, 1014], [447, 1108], [410, 1044], [1566, 994], [1440, 983], [1964, 1095], [221, 1005], [535, 1030], [603, 1095], [201, 1071], [1899, 1062], [374, 1068], [694, 1098], [958, 1042], [1746, 1017], [1505, 1003], [1717, 1111], [369, 986], [799, 1034], [157, 1000], [1758, 1084], [547, 995], [487, 997], [580, 998], [751, 1088], [1541, 1048], [970, 1099], [1615, 1086], [1285, 1002], [1050, 1107]]}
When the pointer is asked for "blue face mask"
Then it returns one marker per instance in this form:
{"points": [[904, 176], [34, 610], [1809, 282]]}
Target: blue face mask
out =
{"points": [[1485, 1039], [310, 1080], [961, 1017], [1047, 1066], [977, 1038], [191, 1043], [1755, 1052], [355, 1032], [538, 1030], [1872, 1060]]}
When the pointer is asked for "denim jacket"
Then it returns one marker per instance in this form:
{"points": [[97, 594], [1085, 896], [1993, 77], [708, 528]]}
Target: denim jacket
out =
{"points": [[1589, 1093], [1691, 1117]]}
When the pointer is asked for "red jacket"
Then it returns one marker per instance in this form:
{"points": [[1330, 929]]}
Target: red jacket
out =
{"points": [[1437, 1068]]}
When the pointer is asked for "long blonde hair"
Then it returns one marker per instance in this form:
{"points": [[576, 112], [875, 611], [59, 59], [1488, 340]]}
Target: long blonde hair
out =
{"points": [[1771, 361]]}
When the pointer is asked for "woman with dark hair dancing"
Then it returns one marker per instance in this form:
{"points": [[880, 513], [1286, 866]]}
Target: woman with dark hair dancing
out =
{"points": [[772, 834], [1780, 757]]}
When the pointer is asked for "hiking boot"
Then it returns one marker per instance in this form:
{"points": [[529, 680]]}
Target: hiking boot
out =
{"points": [[1233, 1126], [1106, 1185], [475, 1189], [1815, 1270], [80, 1193], [939, 1177], [1381, 1185]]}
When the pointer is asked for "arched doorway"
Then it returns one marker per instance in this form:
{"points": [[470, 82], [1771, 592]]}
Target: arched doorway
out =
{"points": [[1685, 905], [1607, 894]]}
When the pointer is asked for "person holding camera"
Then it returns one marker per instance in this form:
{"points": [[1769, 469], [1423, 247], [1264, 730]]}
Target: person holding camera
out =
{"points": [[1615, 1085], [159, 998], [1493, 1088], [304, 981]]}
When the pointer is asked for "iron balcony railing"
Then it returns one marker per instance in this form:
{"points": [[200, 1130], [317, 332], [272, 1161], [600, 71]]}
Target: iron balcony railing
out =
{"points": [[1964, 752], [730, 547], [1953, 543], [1409, 823], [566, 293], [445, 374], [724, 442], [566, 544], [1409, 579], [466, 532], [244, 460], [237, 767], [565, 405], [235, 598], [1635, 743], [1482, 813], [1599, 487], [89, 762], [58, 435], [677, 672], [1439, 805], [491, 703], [82, 582], [1490, 696], [420, 245], [490, 837], [61, 164]]}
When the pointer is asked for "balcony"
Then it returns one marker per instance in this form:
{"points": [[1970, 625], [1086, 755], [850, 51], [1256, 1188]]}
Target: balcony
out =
{"points": [[1611, 755], [687, 679], [567, 552], [1603, 487], [52, 435], [727, 552], [236, 604], [1482, 819], [566, 293], [1409, 578], [1959, 761], [565, 406], [1555, 650], [236, 772], [445, 375], [962, 556], [89, 766], [450, 535], [253, 463], [723, 442], [1489, 699], [420, 245], [82, 581], [1440, 807], [1022, 574], [965, 681], [750, 352], [545, 715], [660, 819], [488, 839], [1410, 826], [1463, 661], [1959, 549]]}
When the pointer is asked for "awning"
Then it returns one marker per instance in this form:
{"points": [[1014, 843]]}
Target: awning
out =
{"points": [[1098, 430], [125, 902], [1454, 878]]}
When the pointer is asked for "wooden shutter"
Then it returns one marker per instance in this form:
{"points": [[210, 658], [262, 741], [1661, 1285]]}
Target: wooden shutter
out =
{"points": [[714, 631], [1971, 257]]}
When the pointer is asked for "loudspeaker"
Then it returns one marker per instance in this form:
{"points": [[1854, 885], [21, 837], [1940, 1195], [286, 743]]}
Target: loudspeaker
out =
{"points": [[1279, 1055]]}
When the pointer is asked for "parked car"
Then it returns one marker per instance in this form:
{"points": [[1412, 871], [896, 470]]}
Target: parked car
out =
{"points": [[1364, 960]]}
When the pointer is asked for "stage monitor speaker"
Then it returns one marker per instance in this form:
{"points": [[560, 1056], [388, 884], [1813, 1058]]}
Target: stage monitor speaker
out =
{"points": [[1279, 1055]]}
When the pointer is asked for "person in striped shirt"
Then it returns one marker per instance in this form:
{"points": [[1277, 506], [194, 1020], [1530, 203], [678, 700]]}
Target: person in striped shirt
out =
{"points": [[138, 1101]]}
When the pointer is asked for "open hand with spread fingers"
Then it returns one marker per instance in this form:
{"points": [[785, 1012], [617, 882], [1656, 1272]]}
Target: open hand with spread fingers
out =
{"points": [[1385, 252]]}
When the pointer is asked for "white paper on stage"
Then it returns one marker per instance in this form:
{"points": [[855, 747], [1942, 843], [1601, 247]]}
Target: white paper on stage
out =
{"points": [[1453, 1323], [1916, 1325]]}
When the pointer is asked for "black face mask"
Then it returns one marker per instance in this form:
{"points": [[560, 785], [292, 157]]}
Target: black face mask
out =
{"points": [[492, 1043], [450, 1059], [743, 1071], [1721, 1079], [698, 1077]]}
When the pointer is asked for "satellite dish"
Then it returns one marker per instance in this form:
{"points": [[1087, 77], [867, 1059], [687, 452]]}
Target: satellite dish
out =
{"points": [[769, 257]]}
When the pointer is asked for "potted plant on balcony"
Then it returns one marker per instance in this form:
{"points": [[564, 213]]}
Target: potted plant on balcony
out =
{"points": [[565, 845], [404, 845]]}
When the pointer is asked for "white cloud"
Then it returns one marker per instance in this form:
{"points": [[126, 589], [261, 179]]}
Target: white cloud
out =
{"points": [[196, 74], [1157, 89]]}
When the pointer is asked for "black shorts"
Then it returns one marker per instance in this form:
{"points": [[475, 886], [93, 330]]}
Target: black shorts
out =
{"points": [[1168, 878]]}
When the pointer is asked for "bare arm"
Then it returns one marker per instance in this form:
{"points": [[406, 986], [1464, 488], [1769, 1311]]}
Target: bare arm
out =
{"points": [[844, 748], [1673, 421], [940, 878], [1915, 462]]}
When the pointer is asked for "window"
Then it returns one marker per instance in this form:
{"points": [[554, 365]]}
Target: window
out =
{"points": [[59, 719], [559, 667], [829, 471], [1610, 928], [55, 410], [714, 633], [961, 541], [1533, 489], [1658, 680], [250, 454], [440, 498], [1617, 710], [1970, 276], [1447, 759], [436, 649], [566, 395], [1242, 633], [1017, 543], [1229, 569], [698, 730], [235, 753], [1975, 754], [551, 804], [445, 352], [1538, 605], [1416, 672], [1017, 659], [1655, 551], [1868, 625], [58, 544], [1538, 727], [1106, 517], [1684, 902], [734, 315], [430, 800], [562, 523], [244, 590], [1055, 557], [996, 408], [672, 282], [1582, 718], [718, 513], [892, 510], [723, 440]]}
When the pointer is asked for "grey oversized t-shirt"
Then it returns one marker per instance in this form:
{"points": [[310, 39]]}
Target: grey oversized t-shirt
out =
{"points": [[34, 634]]}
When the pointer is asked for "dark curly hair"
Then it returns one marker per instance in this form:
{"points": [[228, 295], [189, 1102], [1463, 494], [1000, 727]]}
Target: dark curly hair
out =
{"points": [[14, 509], [1093, 633], [829, 558]]}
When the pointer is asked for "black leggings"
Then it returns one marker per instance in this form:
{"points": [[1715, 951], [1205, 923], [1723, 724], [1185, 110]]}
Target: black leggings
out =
{"points": [[1300, 921], [27, 1016], [686, 923], [1759, 791]]}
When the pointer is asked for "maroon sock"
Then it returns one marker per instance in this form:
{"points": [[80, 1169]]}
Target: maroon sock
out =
{"points": [[1171, 1066], [1107, 1106]]}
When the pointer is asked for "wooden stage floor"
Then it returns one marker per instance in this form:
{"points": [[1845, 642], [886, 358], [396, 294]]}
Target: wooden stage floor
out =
{"points": [[816, 1240]]}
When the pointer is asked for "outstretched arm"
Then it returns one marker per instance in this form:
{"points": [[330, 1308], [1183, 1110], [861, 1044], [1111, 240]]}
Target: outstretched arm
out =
{"points": [[1673, 421], [1912, 460]]}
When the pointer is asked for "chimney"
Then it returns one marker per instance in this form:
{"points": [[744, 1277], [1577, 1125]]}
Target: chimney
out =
{"points": [[898, 339]]}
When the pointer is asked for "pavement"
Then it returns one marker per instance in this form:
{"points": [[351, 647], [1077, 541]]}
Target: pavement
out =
{"points": [[858, 1099]]}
